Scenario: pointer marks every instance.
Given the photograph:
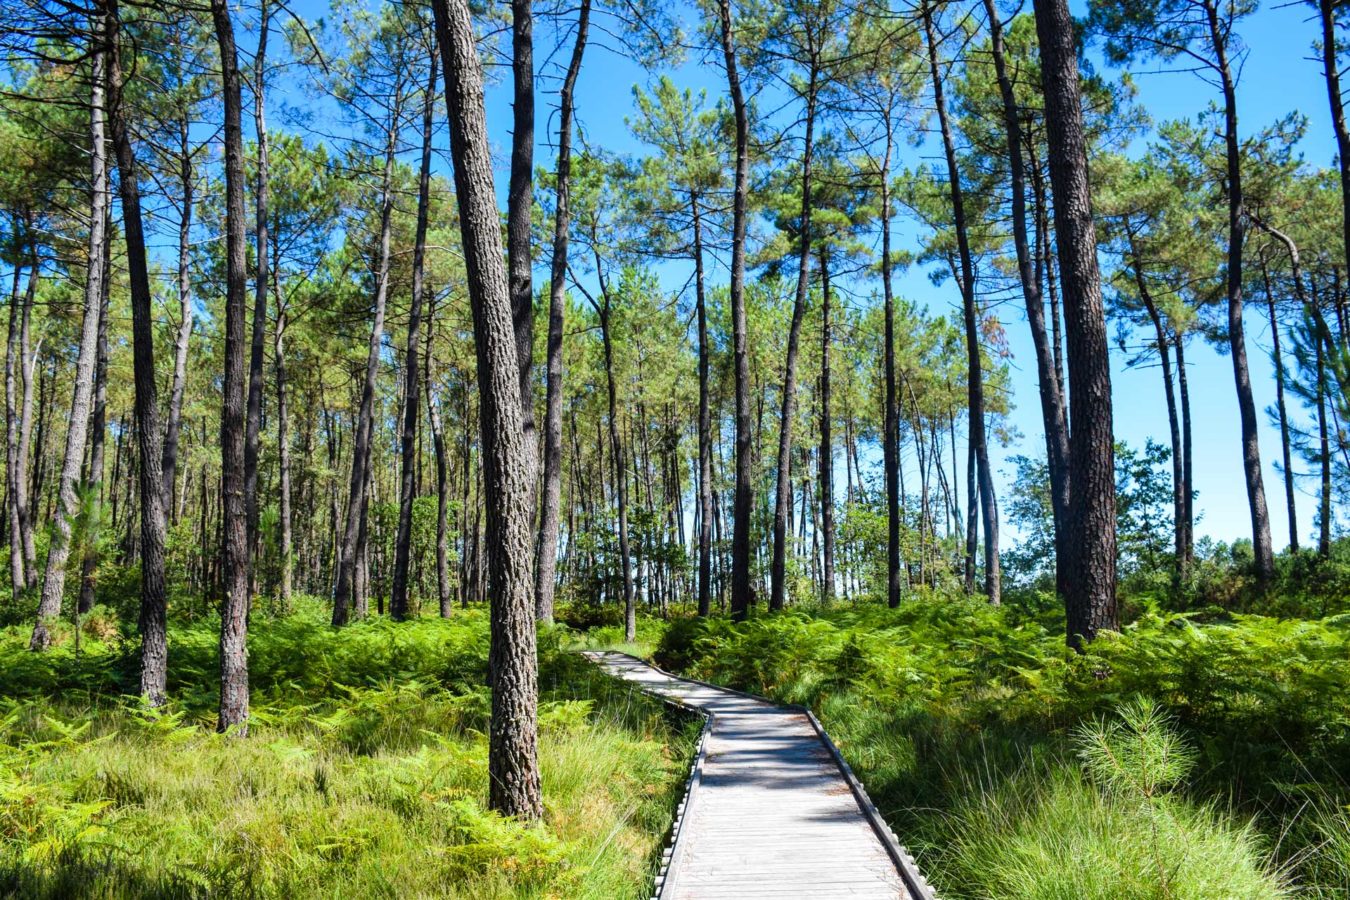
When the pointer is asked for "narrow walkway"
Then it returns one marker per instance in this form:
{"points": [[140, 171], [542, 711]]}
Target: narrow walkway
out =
{"points": [[771, 811]]}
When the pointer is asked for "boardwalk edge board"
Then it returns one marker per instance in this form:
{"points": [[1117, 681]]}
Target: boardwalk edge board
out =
{"points": [[915, 883]]}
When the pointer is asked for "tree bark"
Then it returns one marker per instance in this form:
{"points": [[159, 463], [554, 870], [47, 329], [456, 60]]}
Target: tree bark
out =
{"points": [[153, 628], [744, 500], [1237, 342], [15, 485], [443, 594], [173, 422], [54, 580], [1165, 357], [97, 434], [520, 204], [261, 200], [412, 381], [975, 377], [1327, 14], [546, 557], [1187, 467], [236, 559], [890, 439], [705, 487], [345, 593], [508, 469], [783, 498], [283, 459], [826, 440], [1052, 399], [1324, 458], [1285, 453], [1090, 603]]}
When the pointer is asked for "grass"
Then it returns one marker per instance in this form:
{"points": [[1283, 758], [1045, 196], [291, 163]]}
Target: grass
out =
{"points": [[970, 725], [364, 773]]}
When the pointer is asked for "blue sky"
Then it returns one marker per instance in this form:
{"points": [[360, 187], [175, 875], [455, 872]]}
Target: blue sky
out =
{"points": [[1279, 76]]}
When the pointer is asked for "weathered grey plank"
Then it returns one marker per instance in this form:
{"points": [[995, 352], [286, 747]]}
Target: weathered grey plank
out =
{"points": [[771, 811]]}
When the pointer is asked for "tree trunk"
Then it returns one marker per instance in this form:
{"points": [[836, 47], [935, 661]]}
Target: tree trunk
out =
{"points": [[154, 633], [261, 198], [508, 466], [442, 491], [783, 501], [173, 422], [98, 432], [234, 520], [520, 204], [705, 497], [1251, 447], [283, 460], [744, 501], [412, 381], [620, 469], [1165, 357], [1327, 10], [826, 440], [1052, 399], [546, 557], [975, 378], [54, 581], [345, 593], [1090, 603], [890, 439], [1323, 458], [1285, 454], [1186, 462], [15, 484]]}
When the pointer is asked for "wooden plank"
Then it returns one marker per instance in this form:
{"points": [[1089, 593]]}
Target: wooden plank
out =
{"points": [[772, 810]]}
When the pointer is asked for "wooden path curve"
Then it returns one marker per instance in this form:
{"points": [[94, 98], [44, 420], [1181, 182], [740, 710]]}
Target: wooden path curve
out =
{"points": [[772, 810]]}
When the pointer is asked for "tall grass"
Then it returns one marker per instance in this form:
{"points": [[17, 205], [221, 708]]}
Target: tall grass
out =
{"points": [[971, 727], [364, 773]]}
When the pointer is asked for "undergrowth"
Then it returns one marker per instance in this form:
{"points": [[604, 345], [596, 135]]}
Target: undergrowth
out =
{"points": [[1187, 757], [364, 773]]}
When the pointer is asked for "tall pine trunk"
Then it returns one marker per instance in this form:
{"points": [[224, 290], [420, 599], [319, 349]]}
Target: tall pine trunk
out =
{"points": [[1237, 342], [1052, 399], [1330, 67], [153, 627], [97, 438], [788, 410], [508, 470], [236, 561], [261, 200], [173, 421], [54, 580], [745, 498], [826, 439], [412, 381], [705, 487], [1090, 601], [546, 557], [520, 204], [975, 375]]}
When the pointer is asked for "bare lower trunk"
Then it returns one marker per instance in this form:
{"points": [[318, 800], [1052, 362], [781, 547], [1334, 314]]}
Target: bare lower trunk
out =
{"points": [[412, 380], [1237, 342], [890, 439], [442, 495], [826, 441], [1291, 508], [508, 465], [744, 501], [15, 486], [1323, 459], [1052, 399], [1331, 69], [783, 497], [1188, 518], [1165, 357], [519, 206], [283, 461], [345, 593], [234, 521], [261, 199], [154, 634], [173, 422], [546, 557], [705, 487], [54, 581], [975, 376], [97, 434], [1090, 602]]}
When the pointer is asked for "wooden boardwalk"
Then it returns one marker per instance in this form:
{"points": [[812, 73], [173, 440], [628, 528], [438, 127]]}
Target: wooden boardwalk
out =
{"points": [[772, 811]]}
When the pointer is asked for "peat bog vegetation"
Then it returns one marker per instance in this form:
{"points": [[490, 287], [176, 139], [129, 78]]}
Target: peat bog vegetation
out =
{"points": [[910, 360]]}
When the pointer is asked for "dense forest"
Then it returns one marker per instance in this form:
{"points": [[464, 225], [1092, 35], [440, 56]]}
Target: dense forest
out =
{"points": [[357, 372]]}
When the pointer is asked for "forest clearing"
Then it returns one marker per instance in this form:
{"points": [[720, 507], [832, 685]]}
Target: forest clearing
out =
{"points": [[675, 448]]}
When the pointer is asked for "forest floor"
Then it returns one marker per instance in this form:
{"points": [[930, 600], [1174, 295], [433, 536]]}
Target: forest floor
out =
{"points": [[363, 774]]}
